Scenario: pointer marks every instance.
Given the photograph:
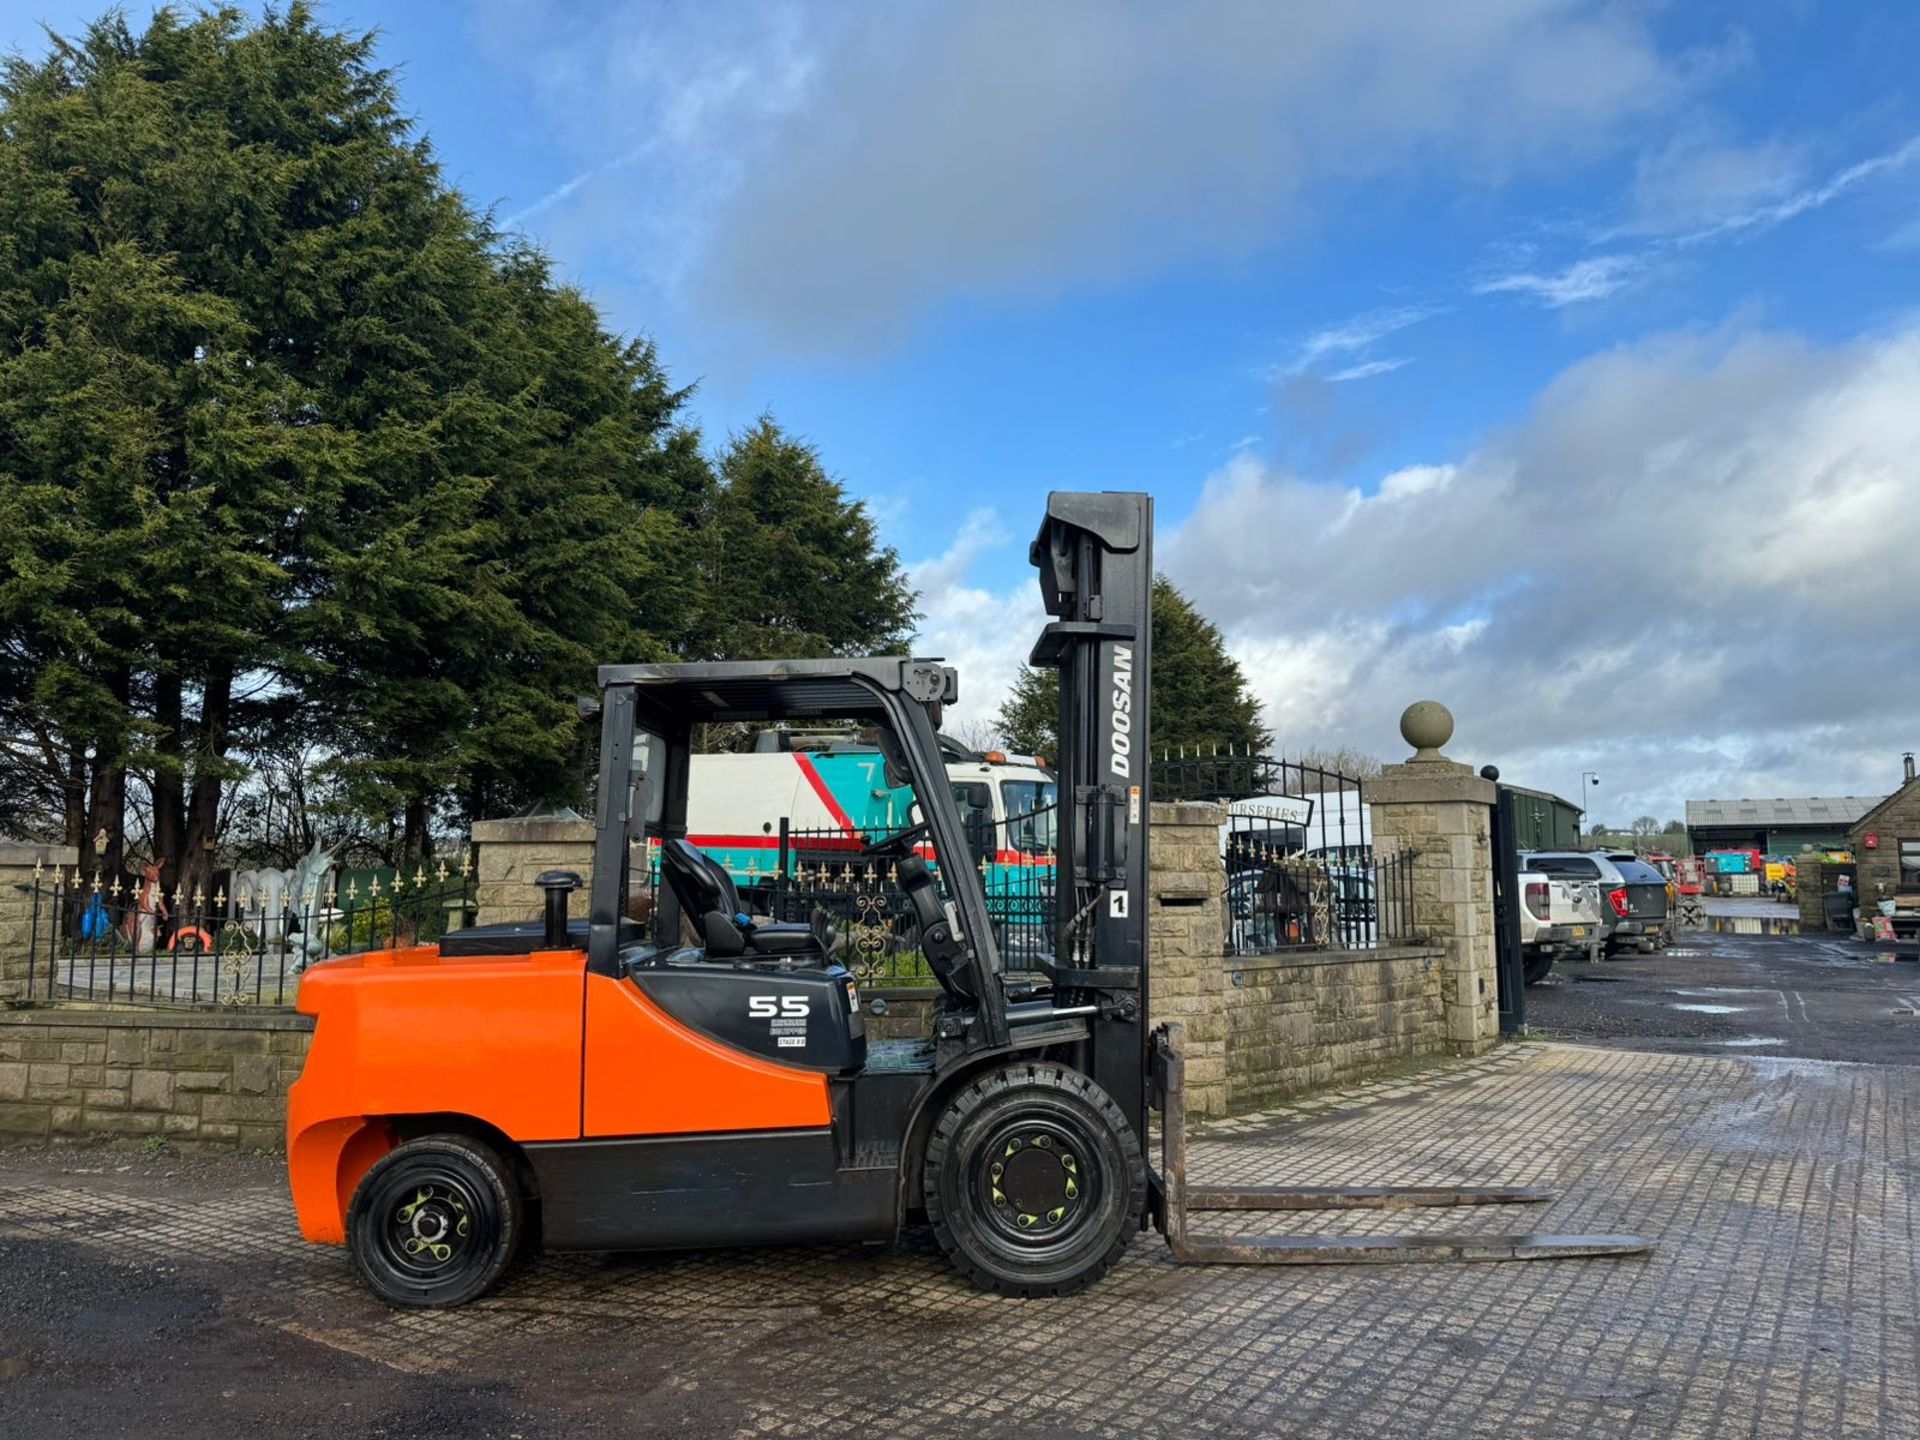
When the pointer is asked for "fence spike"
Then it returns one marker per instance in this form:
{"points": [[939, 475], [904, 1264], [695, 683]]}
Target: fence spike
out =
{"points": [[419, 876], [353, 891], [115, 890], [373, 888], [243, 900], [399, 882], [440, 873], [220, 898], [199, 897], [466, 866], [39, 867], [96, 882]]}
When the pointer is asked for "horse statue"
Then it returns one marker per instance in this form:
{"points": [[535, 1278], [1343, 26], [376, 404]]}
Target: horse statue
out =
{"points": [[291, 904], [308, 887]]}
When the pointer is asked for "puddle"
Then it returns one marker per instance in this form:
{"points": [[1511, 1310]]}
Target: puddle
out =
{"points": [[1748, 1042], [1711, 1009], [1754, 924]]}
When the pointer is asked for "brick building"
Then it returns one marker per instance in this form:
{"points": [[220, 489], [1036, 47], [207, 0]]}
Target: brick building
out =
{"points": [[1886, 843]]}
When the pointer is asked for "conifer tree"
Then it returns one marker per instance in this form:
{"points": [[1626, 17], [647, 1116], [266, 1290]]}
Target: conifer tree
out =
{"points": [[1200, 694]]}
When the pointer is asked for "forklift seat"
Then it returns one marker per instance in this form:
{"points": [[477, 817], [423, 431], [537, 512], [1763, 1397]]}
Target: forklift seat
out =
{"points": [[708, 897], [945, 954]]}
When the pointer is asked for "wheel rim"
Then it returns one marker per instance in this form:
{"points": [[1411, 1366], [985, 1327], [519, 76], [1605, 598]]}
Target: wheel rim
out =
{"points": [[1037, 1182], [432, 1226]]}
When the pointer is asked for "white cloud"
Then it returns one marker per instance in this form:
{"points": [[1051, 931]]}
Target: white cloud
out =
{"points": [[1594, 278], [1680, 568], [1698, 180], [830, 173], [1355, 335], [1367, 369], [1753, 219], [987, 633]]}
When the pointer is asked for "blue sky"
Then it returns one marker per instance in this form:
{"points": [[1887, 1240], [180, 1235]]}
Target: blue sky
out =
{"points": [[1555, 359]]}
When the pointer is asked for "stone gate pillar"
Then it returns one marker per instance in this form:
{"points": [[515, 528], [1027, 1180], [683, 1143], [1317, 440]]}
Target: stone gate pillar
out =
{"points": [[1442, 812], [512, 855], [18, 863], [1186, 935]]}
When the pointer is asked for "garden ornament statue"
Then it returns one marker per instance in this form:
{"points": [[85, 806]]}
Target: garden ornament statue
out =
{"points": [[290, 904], [308, 902], [149, 909]]}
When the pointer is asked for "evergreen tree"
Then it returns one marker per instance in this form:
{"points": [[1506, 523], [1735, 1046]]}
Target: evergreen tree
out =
{"points": [[1200, 695], [793, 566]]}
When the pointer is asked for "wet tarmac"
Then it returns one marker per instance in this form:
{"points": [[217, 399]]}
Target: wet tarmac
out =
{"points": [[1819, 996]]}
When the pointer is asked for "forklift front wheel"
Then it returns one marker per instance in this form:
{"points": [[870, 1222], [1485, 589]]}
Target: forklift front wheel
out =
{"points": [[1034, 1181], [434, 1222]]}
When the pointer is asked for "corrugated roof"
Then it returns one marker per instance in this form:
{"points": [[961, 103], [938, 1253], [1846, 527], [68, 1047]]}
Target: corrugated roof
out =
{"points": [[1831, 810]]}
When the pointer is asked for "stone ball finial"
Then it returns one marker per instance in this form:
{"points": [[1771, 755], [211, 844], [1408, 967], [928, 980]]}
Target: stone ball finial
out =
{"points": [[1426, 725]]}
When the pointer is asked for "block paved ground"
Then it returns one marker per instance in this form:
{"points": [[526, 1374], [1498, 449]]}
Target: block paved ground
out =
{"points": [[158, 1296]]}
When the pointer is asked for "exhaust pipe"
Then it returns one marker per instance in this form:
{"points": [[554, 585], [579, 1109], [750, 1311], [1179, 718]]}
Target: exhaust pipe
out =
{"points": [[558, 884], [1908, 757]]}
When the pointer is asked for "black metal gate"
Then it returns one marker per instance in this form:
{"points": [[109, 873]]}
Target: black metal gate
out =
{"points": [[1509, 960]]}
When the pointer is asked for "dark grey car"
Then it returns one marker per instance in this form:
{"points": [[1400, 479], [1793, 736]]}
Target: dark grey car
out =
{"points": [[1633, 895]]}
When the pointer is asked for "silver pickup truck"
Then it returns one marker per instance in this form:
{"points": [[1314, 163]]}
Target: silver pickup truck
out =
{"points": [[1559, 915]]}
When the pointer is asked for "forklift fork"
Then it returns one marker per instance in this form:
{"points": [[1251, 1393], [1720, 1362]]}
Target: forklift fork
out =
{"points": [[1179, 1201]]}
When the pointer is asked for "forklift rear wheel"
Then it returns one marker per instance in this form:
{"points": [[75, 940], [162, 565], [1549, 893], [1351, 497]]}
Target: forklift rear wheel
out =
{"points": [[1034, 1181], [434, 1222]]}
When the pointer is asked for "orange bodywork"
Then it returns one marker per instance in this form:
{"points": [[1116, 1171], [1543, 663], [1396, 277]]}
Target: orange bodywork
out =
{"points": [[530, 1045]]}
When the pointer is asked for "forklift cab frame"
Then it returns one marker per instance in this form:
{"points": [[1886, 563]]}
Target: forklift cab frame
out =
{"points": [[900, 697]]}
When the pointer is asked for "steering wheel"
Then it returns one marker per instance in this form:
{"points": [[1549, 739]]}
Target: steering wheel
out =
{"points": [[895, 844]]}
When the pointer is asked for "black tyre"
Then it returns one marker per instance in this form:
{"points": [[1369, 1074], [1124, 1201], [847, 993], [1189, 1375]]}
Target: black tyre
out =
{"points": [[1537, 968], [434, 1222], [1033, 1181]]}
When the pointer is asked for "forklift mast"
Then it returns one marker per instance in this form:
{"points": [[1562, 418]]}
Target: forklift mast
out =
{"points": [[1094, 553]]}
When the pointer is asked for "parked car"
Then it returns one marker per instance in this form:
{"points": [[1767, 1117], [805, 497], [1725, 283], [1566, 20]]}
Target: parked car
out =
{"points": [[1633, 892], [1559, 917]]}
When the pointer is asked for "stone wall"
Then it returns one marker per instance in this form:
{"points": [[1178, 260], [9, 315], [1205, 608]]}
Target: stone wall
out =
{"points": [[513, 853], [216, 1081], [18, 863], [1816, 879], [1299, 1023]]}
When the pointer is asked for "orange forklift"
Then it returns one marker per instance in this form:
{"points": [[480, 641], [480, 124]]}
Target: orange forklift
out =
{"points": [[704, 1078]]}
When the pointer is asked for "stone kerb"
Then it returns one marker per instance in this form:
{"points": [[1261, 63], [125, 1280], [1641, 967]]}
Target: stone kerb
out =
{"points": [[1442, 812], [18, 862], [513, 853]]}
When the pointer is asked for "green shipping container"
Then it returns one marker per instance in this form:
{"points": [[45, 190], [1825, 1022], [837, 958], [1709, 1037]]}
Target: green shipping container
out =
{"points": [[1544, 822]]}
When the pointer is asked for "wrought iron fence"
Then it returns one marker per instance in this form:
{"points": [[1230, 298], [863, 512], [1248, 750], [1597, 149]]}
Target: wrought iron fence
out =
{"points": [[1298, 849], [851, 878], [105, 940], [1278, 901], [1272, 802]]}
